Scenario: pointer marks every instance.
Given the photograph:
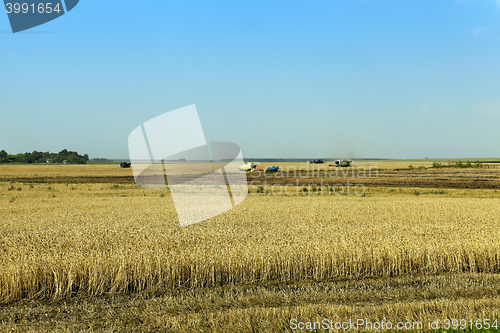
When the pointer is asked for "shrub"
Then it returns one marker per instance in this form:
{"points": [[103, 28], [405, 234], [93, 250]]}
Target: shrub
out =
{"points": [[437, 165]]}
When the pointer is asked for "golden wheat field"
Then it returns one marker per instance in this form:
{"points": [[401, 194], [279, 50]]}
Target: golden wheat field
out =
{"points": [[74, 256]]}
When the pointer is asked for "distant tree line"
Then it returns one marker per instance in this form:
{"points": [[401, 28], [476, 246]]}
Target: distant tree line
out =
{"points": [[42, 157]]}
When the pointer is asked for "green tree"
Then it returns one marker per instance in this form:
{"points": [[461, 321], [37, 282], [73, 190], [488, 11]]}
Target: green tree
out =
{"points": [[3, 156], [41, 157]]}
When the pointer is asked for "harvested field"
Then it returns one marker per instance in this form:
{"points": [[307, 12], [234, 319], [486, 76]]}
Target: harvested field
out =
{"points": [[392, 253], [293, 173]]}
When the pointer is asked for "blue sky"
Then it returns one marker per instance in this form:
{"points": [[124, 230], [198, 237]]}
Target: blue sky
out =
{"points": [[388, 79]]}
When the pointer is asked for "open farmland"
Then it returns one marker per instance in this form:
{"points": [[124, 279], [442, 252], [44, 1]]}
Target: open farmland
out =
{"points": [[81, 246]]}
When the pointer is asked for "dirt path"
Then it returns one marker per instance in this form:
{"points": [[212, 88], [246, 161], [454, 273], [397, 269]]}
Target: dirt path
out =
{"points": [[440, 178]]}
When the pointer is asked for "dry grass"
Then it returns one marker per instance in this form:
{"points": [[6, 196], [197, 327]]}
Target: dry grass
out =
{"points": [[272, 258], [265, 307], [58, 170], [380, 164], [60, 242], [113, 170]]}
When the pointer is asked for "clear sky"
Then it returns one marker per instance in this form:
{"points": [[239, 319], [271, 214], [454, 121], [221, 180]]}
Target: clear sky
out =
{"points": [[388, 79]]}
